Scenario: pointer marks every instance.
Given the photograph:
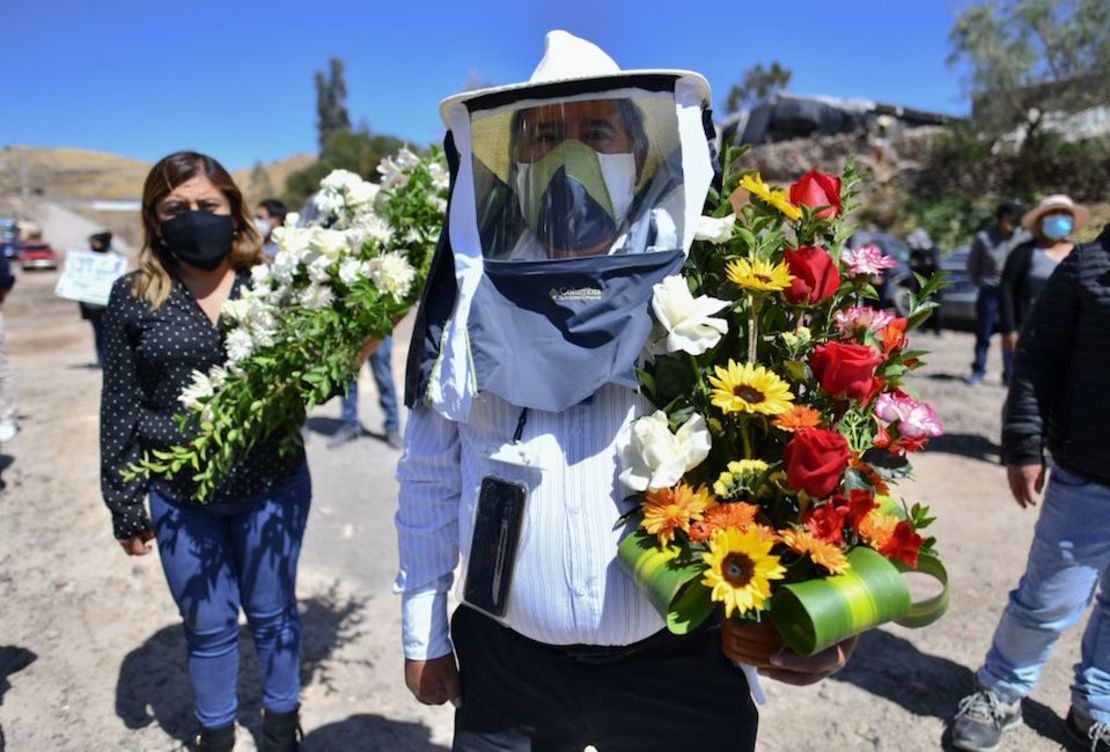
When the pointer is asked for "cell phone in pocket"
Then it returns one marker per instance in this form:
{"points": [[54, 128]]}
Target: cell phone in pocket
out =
{"points": [[497, 526]]}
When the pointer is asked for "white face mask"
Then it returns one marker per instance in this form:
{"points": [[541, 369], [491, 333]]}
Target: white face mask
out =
{"points": [[263, 227]]}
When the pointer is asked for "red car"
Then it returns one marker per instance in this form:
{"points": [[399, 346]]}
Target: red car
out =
{"points": [[35, 254]]}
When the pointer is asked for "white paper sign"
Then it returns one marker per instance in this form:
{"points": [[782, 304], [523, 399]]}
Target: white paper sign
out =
{"points": [[87, 276]]}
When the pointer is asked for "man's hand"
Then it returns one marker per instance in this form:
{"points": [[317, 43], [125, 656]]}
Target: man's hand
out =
{"points": [[790, 668], [1026, 483], [137, 545], [1009, 341], [434, 682]]}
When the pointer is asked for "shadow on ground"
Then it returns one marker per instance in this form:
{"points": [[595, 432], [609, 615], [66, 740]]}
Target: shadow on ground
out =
{"points": [[323, 425], [971, 445], [6, 461], [372, 733], [892, 668], [153, 686], [14, 659]]}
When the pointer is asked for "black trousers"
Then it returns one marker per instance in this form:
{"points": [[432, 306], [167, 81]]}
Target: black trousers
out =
{"points": [[667, 693]]}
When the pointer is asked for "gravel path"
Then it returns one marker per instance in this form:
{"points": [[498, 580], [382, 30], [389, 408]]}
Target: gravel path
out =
{"points": [[91, 656]]}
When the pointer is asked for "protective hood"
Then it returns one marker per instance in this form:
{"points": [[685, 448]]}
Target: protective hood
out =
{"points": [[571, 196]]}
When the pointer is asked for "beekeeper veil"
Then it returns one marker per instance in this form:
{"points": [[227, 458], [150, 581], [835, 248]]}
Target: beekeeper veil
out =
{"points": [[572, 195]]}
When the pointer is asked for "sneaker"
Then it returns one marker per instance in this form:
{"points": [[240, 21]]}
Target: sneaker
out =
{"points": [[346, 433], [1086, 730], [974, 379], [981, 720], [393, 438]]}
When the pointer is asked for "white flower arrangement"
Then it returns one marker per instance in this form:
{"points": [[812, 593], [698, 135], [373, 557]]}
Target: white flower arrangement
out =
{"points": [[295, 331]]}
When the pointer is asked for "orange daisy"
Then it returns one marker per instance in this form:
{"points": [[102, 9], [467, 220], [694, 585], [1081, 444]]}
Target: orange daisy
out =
{"points": [[826, 555], [877, 528], [797, 418], [737, 515], [671, 509]]}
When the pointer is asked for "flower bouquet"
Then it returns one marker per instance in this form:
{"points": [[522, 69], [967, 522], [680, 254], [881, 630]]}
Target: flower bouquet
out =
{"points": [[764, 478], [294, 335]]}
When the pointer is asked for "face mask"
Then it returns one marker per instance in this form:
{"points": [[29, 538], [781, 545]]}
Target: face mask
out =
{"points": [[263, 227], [1057, 226], [199, 238], [575, 198]]}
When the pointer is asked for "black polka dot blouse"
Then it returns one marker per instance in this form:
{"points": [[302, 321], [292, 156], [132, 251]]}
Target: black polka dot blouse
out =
{"points": [[149, 358]]}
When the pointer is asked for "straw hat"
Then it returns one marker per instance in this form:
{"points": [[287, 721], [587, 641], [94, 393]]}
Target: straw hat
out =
{"points": [[568, 58], [1057, 202]]}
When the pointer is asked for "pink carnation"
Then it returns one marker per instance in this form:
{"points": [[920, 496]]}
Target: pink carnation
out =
{"points": [[850, 322], [920, 422], [914, 419], [867, 259]]}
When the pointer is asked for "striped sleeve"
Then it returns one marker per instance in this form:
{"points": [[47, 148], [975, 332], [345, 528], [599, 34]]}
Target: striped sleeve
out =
{"points": [[427, 531]]}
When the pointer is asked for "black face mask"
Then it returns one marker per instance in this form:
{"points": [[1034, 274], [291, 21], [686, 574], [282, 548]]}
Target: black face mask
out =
{"points": [[199, 238]]}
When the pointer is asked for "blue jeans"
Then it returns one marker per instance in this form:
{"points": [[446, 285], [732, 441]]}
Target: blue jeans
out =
{"points": [[1069, 559], [986, 316], [217, 558], [381, 366]]}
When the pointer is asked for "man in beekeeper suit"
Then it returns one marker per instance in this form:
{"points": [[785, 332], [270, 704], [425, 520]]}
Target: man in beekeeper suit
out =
{"points": [[572, 195]]}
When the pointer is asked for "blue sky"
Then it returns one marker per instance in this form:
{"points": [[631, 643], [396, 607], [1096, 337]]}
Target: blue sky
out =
{"points": [[234, 77]]}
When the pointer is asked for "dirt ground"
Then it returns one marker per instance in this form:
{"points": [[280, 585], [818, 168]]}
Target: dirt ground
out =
{"points": [[91, 655]]}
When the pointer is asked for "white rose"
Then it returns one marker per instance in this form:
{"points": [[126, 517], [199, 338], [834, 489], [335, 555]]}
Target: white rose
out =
{"points": [[239, 345], [655, 458], [330, 243], [687, 320], [318, 269], [392, 273], [339, 180], [715, 230], [291, 239]]}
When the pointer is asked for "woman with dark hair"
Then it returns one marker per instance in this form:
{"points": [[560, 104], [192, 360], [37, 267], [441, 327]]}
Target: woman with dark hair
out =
{"points": [[241, 548]]}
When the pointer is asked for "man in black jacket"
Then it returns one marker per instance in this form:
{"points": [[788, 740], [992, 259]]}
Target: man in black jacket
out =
{"points": [[1058, 401]]}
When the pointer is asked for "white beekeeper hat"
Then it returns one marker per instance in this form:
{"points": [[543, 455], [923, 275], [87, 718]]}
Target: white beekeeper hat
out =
{"points": [[570, 59]]}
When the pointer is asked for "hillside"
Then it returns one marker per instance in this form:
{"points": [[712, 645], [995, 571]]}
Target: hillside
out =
{"points": [[64, 175]]}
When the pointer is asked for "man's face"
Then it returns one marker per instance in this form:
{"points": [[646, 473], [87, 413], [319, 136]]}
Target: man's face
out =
{"points": [[1006, 226], [596, 123]]}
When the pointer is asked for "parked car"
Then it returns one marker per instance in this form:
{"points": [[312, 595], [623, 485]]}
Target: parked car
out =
{"points": [[957, 300], [35, 254], [894, 286]]}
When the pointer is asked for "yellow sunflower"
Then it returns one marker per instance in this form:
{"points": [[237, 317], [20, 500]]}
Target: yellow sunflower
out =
{"points": [[826, 555], [749, 388], [741, 568], [776, 197], [759, 275], [670, 509]]}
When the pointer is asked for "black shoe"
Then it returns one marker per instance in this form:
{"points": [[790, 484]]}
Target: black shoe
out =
{"points": [[220, 739], [1087, 731], [393, 438], [981, 721], [281, 732], [346, 433]]}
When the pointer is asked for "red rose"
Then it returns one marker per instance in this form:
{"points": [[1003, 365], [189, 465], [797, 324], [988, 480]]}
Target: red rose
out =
{"points": [[817, 189], [846, 371], [815, 275], [815, 459]]}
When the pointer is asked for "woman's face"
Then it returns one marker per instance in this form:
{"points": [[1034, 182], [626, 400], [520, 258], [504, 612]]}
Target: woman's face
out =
{"points": [[195, 194]]}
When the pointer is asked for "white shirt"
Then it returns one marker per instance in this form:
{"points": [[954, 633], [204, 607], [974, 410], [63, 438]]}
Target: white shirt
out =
{"points": [[567, 587]]}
